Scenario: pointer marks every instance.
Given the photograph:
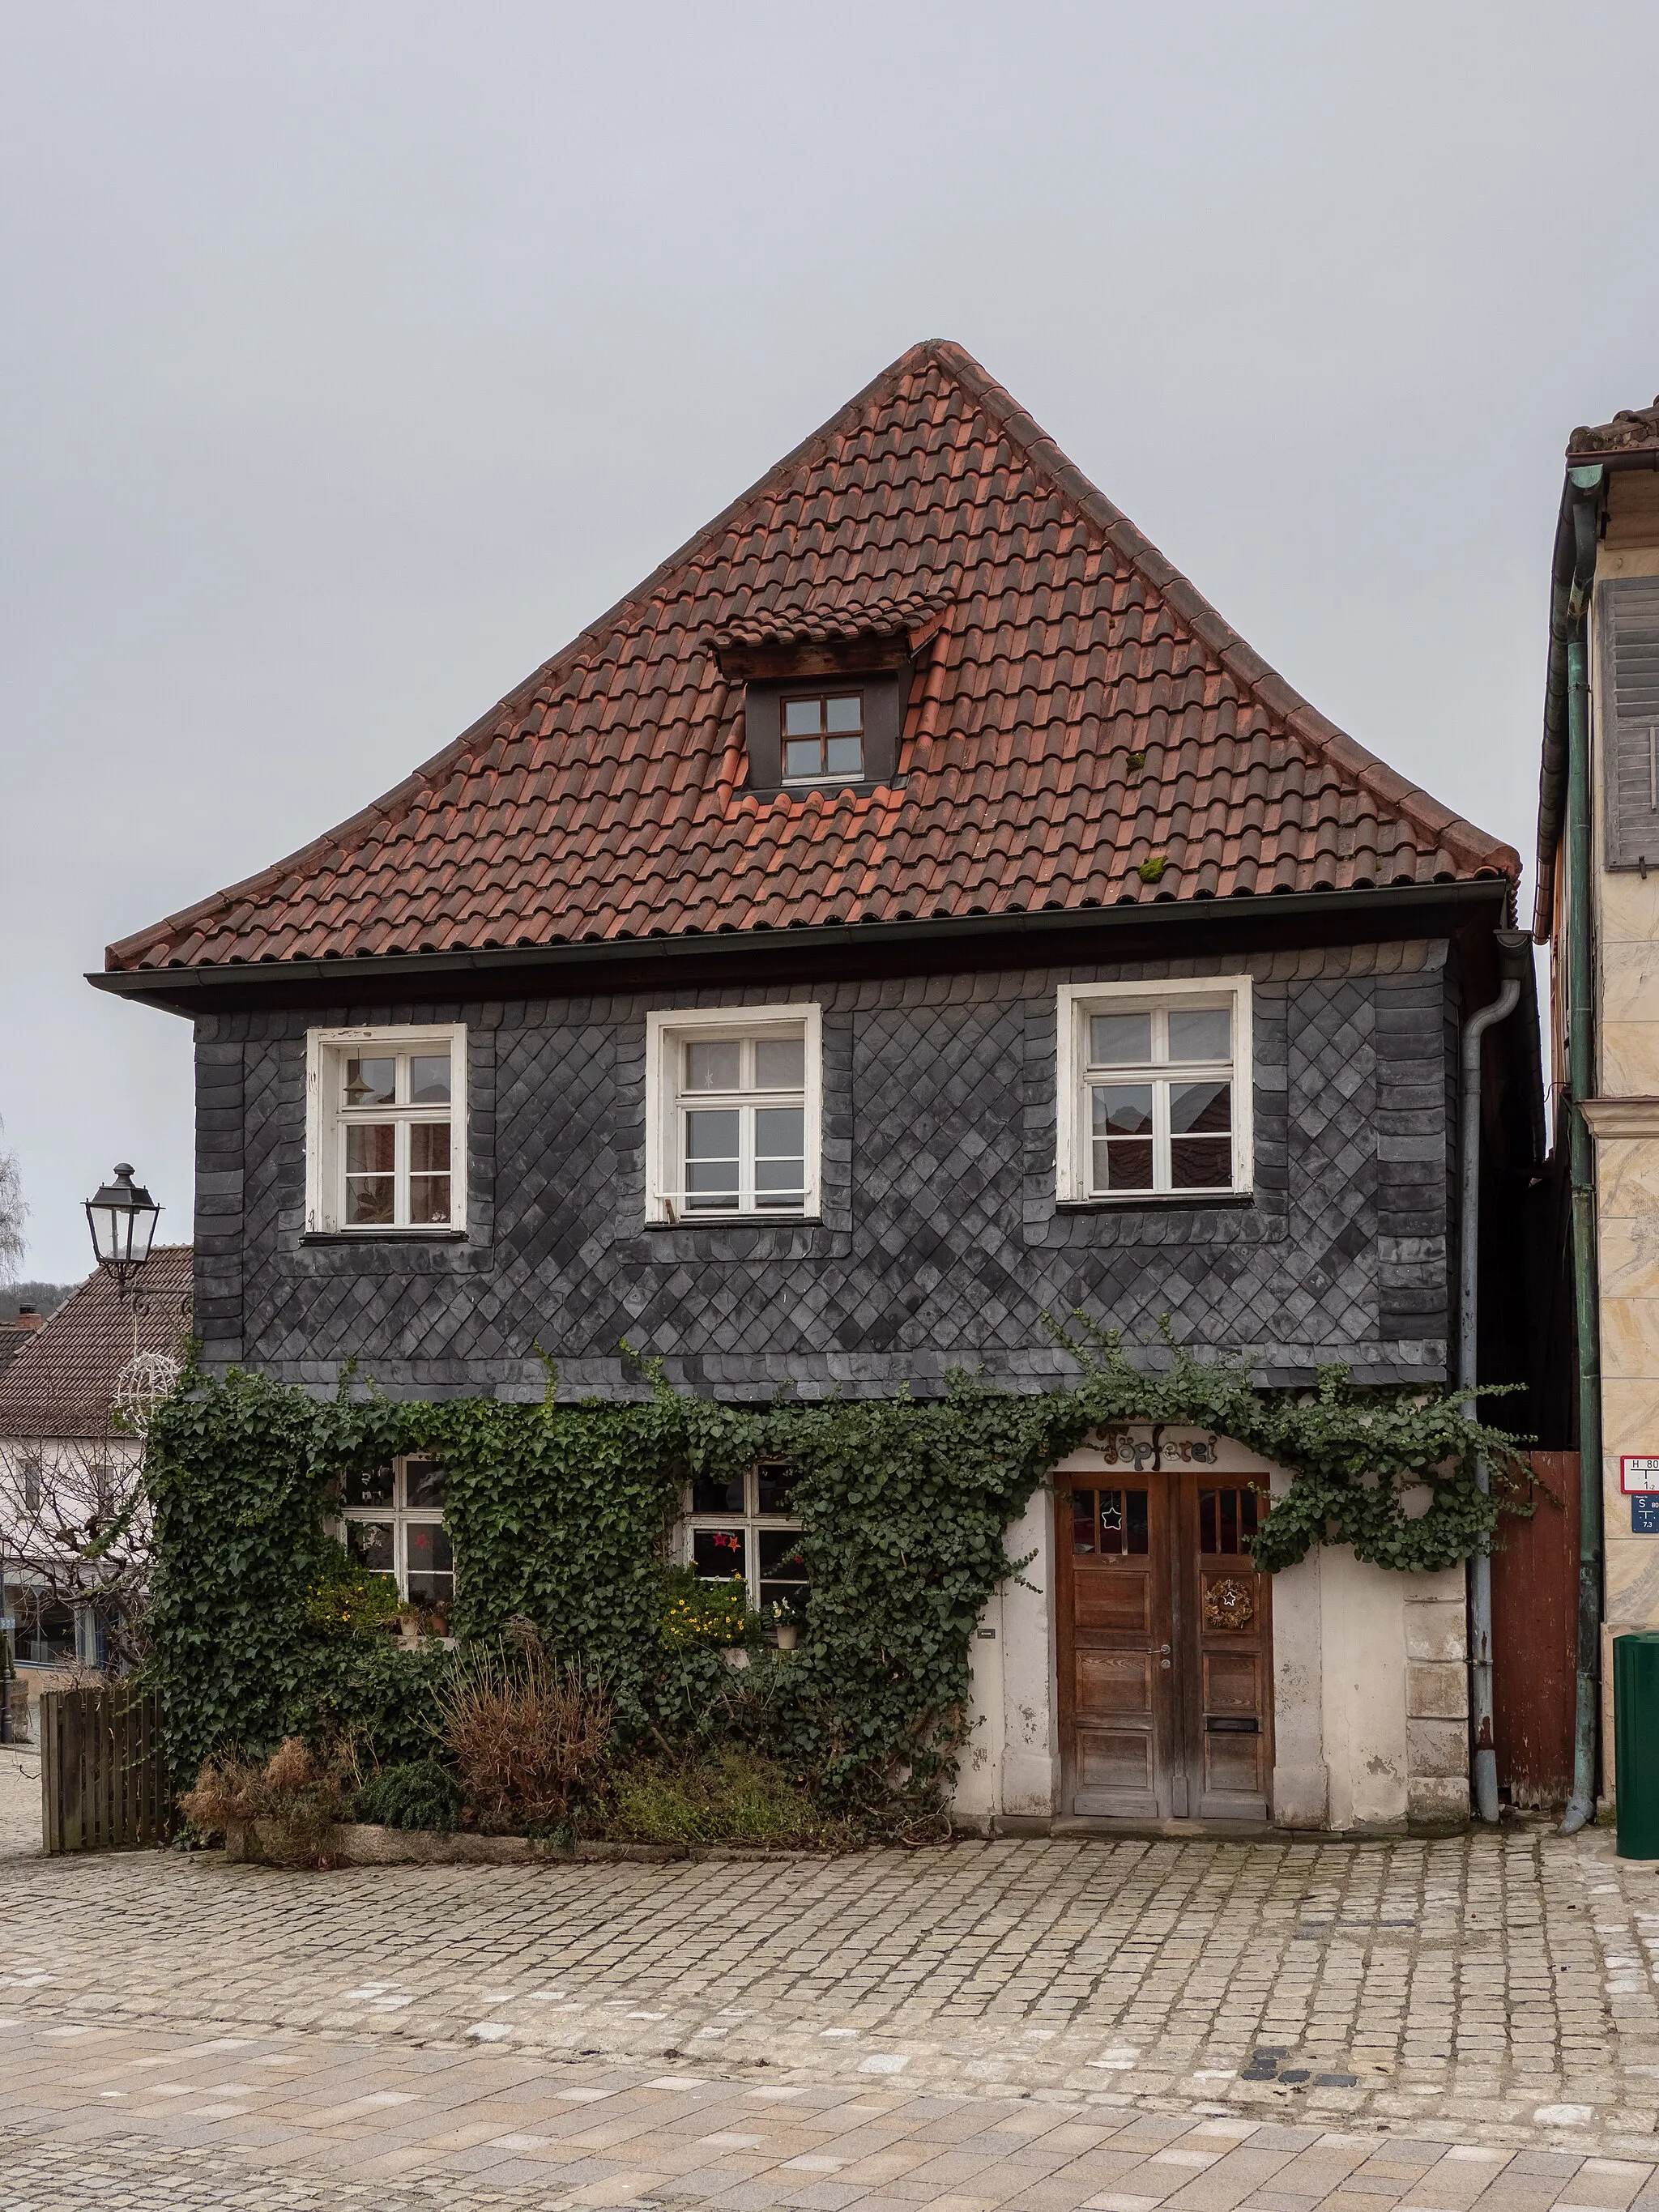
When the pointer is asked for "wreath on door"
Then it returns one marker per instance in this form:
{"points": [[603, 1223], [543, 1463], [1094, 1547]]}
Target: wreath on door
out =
{"points": [[1229, 1602]]}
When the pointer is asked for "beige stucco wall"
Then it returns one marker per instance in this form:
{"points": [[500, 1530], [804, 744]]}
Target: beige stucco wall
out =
{"points": [[1627, 1211], [1626, 1143], [1371, 1682]]}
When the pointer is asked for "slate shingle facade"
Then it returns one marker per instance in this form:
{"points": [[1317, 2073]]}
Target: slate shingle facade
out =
{"points": [[941, 1241]]}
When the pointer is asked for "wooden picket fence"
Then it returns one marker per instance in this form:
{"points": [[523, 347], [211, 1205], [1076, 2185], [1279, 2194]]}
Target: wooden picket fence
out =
{"points": [[103, 1781]]}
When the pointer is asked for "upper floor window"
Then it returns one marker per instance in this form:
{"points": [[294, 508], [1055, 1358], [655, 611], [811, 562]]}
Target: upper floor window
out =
{"points": [[1153, 1096], [732, 1112], [385, 1140], [823, 736]]}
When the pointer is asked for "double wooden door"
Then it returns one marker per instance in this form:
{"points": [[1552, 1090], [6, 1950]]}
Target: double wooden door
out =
{"points": [[1165, 1647]]}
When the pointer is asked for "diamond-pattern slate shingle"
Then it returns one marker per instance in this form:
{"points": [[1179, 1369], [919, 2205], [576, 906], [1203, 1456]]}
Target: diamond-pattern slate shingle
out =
{"points": [[1077, 710], [942, 1242]]}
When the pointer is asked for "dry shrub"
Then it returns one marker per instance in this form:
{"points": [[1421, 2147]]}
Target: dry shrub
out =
{"points": [[524, 1732], [292, 1799]]}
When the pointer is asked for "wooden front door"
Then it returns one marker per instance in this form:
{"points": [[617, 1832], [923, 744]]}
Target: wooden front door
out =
{"points": [[1165, 1647]]}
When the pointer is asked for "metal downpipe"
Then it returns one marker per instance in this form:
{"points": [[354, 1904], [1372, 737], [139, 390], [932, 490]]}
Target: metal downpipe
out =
{"points": [[1514, 948]]}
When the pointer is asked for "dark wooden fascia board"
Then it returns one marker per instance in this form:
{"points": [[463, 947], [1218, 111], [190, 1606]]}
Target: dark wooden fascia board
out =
{"points": [[1160, 929]]}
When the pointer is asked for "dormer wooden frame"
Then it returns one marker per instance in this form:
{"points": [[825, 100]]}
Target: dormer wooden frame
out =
{"points": [[886, 693]]}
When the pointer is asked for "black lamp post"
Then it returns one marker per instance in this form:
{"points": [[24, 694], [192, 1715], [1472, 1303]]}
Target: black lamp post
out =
{"points": [[122, 1219]]}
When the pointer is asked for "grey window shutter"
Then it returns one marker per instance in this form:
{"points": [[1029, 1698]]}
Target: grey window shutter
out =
{"points": [[1630, 719]]}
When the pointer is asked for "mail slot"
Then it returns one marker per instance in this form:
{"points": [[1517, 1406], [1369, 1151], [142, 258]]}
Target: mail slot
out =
{"points": [[1229, 1725]]}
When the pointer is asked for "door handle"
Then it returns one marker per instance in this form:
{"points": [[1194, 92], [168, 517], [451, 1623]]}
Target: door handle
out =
{"points": [[1163, 1647]]}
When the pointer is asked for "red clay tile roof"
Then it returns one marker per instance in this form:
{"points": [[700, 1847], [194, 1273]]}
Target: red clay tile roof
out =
{"points": [[604, 798], [62, 1381], [1632, 430]]}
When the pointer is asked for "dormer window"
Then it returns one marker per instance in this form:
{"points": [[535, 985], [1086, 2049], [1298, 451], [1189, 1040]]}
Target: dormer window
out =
{"points": [[825, 690], [823, 736]]}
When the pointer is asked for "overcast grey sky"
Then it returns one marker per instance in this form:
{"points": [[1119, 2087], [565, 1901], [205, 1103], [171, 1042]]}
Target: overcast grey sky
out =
{"points": [[355, 354]]}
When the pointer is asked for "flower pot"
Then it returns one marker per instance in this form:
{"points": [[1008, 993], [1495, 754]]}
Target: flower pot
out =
{"points": [[786, 1634]]}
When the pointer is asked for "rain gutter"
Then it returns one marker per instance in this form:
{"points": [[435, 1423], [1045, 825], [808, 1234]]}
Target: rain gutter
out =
{"points": [[1513, 956], [197, 987]]}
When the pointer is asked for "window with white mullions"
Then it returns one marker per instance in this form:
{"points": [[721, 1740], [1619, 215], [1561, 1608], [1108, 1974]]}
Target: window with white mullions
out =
{"points": [[733, 1112], [743, 1124], [745, 1525], [394, 1112], [1153, 1130], [393, 1518], [1154, 1093], [387, 1117]]}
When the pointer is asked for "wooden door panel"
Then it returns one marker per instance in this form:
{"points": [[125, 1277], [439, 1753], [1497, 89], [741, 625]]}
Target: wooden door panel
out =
{"points": [[1229, 1715], [1114, 1661], [1116, 1763], [1114, 1604], [1232, 1765], [1232, 1683], [1113, 1685]]}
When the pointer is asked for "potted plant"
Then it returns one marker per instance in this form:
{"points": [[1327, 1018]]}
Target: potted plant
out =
{"points": [[785, 1619]]}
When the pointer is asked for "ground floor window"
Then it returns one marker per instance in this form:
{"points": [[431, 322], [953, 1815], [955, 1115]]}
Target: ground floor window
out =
{"points": [[46, 1632], [746, 1527], [394, 1526]]}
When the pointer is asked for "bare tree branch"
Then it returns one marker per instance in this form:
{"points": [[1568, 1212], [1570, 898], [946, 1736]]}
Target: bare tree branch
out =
{"points": [[13, 1242], [76, 1530]]}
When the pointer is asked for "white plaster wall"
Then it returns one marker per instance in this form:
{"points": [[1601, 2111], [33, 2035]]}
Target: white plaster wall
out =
{"points": [[1031, 1688], [1363, 1640], [1010, 1762], [1301, 1783], [977, 1796], [1395, 1698]]}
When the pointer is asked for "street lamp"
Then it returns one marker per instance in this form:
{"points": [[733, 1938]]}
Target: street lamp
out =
{"points": [[122, 1219]]}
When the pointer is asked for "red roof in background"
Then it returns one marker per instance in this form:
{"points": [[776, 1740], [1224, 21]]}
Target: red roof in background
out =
{"points": [[61, 1380], [604, 798]]}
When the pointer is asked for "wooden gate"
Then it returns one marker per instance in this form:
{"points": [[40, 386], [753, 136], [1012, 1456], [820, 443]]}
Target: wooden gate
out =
{"points": [[103, 1782], [1534, 1638]]}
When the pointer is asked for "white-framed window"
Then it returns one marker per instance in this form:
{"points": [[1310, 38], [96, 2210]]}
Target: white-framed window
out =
{"points": [[385, 1140], [734, 1110], [1153, 1089], [745, 1526], [393, 1519]]}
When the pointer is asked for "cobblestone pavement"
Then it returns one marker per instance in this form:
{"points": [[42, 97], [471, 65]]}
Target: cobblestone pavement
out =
{"points": [[1494, 1987], [20, 1799]]}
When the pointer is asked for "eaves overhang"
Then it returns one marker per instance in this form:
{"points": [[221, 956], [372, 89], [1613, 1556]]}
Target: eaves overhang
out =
{"points": [[1383, 911]]}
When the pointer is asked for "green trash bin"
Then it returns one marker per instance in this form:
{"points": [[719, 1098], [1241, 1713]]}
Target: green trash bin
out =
{"points": [[1636, 1743]]}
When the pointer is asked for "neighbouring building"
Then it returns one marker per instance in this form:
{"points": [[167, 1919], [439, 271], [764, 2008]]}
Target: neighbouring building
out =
{"points": [[68, 1461], [911, 911], [1598, 910], [15, 1332]]}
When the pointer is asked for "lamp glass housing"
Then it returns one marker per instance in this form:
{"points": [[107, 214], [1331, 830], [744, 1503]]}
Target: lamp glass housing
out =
{"points": [[122, 1219]]}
